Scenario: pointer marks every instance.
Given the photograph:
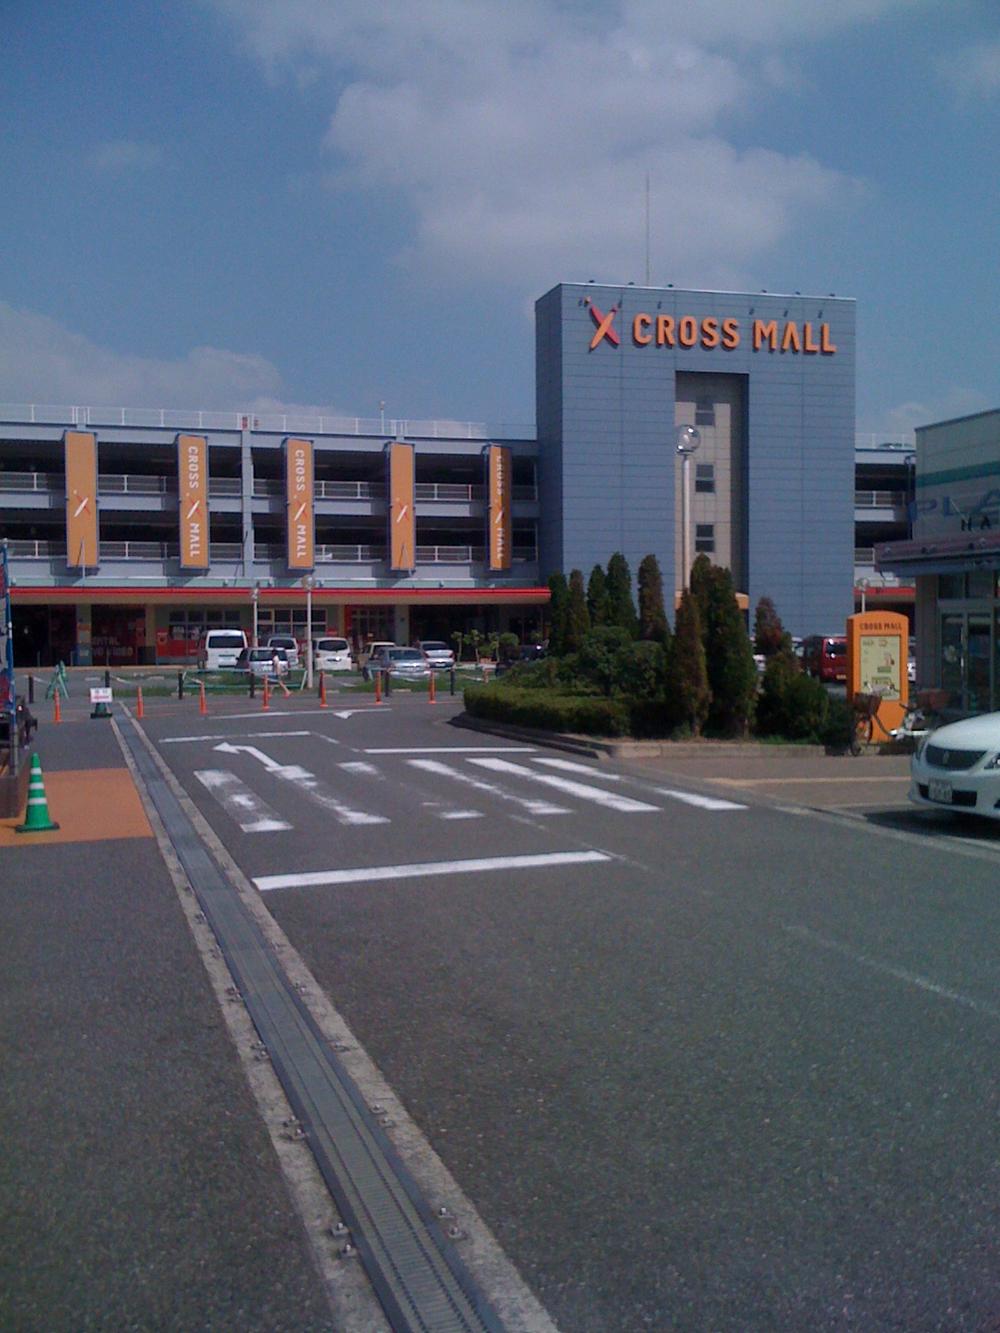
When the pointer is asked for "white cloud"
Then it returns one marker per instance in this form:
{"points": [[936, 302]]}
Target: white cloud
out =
{"points": [[520, 135], [43, 362], [973, 73], [116, 156], [899, 422]]}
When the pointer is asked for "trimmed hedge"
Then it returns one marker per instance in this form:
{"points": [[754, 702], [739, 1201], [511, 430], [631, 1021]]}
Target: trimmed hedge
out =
{"points": [[588, 716]]}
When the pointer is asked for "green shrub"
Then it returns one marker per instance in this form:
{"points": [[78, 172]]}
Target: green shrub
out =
{"points": [[652, 718], [838, 729], [599, 660], [791, 704], [589, 716]]}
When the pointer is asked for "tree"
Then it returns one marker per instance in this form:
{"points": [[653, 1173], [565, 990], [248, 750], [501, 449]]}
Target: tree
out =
{"points": [[558, 608], [600, 661], [732, 672], [621, 608], [577, 615], [769, 635], [653, 622], [597, 598], [687, 674]]}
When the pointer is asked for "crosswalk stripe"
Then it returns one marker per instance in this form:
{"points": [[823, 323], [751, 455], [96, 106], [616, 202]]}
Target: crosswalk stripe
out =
{"points": [[536, 807], [372, 874], [307, 782], [610, 800], [245, 807], [695, 798], [569, 766]]}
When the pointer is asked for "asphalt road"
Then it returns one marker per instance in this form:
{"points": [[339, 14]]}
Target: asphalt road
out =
{"points": [[703, 1055]]}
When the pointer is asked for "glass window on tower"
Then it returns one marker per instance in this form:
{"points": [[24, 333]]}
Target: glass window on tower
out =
{"points": [[704, 412], [704, 538], [704, 478]]}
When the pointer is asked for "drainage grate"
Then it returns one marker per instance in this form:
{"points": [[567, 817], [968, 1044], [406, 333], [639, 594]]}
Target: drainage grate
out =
{"points": [[416, 1273]]}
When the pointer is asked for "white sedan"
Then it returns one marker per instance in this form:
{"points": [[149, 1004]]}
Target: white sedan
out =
{"points": [[331, 654], [957, 767]]}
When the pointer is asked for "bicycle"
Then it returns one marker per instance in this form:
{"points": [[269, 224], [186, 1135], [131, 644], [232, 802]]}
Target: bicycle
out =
{"points": [[917, 719]]}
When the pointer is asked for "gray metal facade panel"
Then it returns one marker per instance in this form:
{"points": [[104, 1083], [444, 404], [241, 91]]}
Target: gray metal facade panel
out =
{"points": [[614, 406]]}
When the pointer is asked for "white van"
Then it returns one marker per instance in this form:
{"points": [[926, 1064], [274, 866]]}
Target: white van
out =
{"points": [[219, 648]]}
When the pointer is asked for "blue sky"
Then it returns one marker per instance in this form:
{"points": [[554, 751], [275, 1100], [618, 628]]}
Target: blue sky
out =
{"points": [[330, 204]]}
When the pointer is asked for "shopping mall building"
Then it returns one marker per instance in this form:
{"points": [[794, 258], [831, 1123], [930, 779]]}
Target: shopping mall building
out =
{"points": [[132, 530]]}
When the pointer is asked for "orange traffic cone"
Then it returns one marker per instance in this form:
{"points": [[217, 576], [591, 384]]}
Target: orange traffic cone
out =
{"points": [[265, 706], [432, 688], [322, 690], [57, 715], [139, 710], [378, 687], [202, 705]]}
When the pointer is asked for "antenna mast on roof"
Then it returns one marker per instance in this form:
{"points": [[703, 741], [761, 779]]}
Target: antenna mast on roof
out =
{"points": [[647, 228]]}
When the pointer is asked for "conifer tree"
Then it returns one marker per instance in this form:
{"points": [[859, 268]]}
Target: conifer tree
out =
{"points": [[687, 674], [769, 636], [558, 609], [577, 615], [732, 672], [621, 610], [653, 622], [597, 597]]}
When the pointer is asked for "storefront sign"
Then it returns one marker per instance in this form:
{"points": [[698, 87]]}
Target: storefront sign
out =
{"points": [[686, 331], [402, 523], [192, 485], [299, 489], [81, 499], [498, 514]]}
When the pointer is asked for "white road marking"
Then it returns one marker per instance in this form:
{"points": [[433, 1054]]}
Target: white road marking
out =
{"points": [[255, 735], [302, 712], [610, 800], [308, 783], [704, 802], [455, 749], [536, 807], [460, 814], [890, 970], [359, 766], [360, 874], [245, 807], [570, 766]]}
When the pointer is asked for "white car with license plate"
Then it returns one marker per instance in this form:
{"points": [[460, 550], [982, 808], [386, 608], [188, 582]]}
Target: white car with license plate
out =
{"points": [[957, 767]]}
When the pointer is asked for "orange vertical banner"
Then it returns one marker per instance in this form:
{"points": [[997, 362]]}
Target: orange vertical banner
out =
{"points": [[81, 498], [299, 490], [402, 522], [499, 534], [192, 487]]}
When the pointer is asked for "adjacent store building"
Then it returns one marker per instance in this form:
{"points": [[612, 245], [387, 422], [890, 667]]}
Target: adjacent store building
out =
{"points": [[953, 559], [130, 531]]}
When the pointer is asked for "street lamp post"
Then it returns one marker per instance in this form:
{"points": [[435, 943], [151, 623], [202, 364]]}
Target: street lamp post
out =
{"points": [[688, 440], [309, 631], [254, 595]]}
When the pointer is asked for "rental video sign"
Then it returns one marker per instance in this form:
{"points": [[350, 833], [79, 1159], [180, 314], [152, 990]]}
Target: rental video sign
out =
{"points": [[686, 331], [192, 486], [80, 448], [299, 492], [402, 523]]}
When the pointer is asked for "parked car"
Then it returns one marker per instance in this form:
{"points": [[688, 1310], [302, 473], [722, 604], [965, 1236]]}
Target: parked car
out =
{"points": [[261, 662], [957, 767], [219, 648], [400, 663], [331, 654], [825, 657], [437, 652], [368, 652], [289, 645]]}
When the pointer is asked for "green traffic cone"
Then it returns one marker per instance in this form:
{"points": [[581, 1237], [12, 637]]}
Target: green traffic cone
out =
{"points": [[36, 816]]}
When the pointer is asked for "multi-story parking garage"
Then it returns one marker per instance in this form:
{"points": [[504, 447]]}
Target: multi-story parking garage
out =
{"points": [[132, 530]]}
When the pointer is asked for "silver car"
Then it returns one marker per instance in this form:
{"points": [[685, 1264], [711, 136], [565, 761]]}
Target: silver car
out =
{"points": [[437, 652], [400, 663]]}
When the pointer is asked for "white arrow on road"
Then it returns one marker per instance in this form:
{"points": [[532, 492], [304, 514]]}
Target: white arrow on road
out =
{"points": [[306, 782]]}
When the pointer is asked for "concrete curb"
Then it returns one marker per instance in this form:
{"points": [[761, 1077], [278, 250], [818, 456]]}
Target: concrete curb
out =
{"points": [[598, 748]]}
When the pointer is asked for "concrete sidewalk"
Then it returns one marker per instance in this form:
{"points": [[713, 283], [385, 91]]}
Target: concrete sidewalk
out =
{"points": [[139, 1185]]}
